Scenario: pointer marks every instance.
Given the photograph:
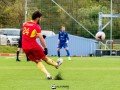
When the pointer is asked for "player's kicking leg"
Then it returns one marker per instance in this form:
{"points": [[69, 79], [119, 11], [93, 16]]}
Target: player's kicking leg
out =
{"points": [[50, 62], [37, 56]]}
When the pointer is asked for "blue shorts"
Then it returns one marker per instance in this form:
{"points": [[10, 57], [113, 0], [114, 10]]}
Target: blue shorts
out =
{"points": [[62, 45]]}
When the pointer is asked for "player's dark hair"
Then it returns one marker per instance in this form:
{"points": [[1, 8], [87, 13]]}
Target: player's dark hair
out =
{"points": [[62, 26], [36, 14]]}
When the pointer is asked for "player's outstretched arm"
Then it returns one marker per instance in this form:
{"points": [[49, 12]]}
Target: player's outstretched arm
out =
{"points": [[39, 35], [58, 41], [67, 37], [59, 38]]}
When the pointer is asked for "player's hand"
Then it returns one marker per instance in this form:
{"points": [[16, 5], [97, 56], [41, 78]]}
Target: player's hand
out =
{"points": [[58, 41], [45, 51], [67, 42]]}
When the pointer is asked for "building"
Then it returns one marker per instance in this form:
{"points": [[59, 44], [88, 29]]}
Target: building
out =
{"points": [[78, 46]]}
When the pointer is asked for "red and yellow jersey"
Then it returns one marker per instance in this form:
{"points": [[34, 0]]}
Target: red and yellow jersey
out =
{"points": [[30, 30]]}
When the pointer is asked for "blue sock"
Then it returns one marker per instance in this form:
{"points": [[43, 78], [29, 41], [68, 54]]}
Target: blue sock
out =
{"points": [[68, 53], [58, 52]]}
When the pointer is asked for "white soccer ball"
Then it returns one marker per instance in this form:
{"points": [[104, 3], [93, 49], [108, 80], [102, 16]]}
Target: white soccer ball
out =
{"points": [[100, 36]]}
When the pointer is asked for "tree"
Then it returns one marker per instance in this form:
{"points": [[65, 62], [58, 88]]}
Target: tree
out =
{"points": [[12, 13], [84, 11]]}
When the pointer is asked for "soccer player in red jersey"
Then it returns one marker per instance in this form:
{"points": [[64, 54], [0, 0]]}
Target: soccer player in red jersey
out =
{"points": [[31, 31]]}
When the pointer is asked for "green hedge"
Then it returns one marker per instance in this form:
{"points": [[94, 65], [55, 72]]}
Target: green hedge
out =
{"points": [[8, 49], [13, 49]]}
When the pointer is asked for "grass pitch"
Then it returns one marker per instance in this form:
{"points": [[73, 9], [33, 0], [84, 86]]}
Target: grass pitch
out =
{"points": [[82, 73]]}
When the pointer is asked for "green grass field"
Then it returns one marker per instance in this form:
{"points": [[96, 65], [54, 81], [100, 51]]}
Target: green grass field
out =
{"points": [[82, 73]]}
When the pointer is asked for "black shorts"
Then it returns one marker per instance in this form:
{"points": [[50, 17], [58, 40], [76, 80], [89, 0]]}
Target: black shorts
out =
{"points": [[20, 43]]}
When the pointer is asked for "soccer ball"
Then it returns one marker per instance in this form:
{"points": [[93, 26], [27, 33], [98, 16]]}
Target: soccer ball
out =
{"points": [[100, 36]]}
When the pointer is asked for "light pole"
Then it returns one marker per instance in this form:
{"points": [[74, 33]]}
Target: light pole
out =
{"points": [[25, 10], [111, 29]]}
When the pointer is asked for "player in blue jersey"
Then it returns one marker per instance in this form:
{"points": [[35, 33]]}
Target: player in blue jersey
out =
{"points": [[63, 40]]}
